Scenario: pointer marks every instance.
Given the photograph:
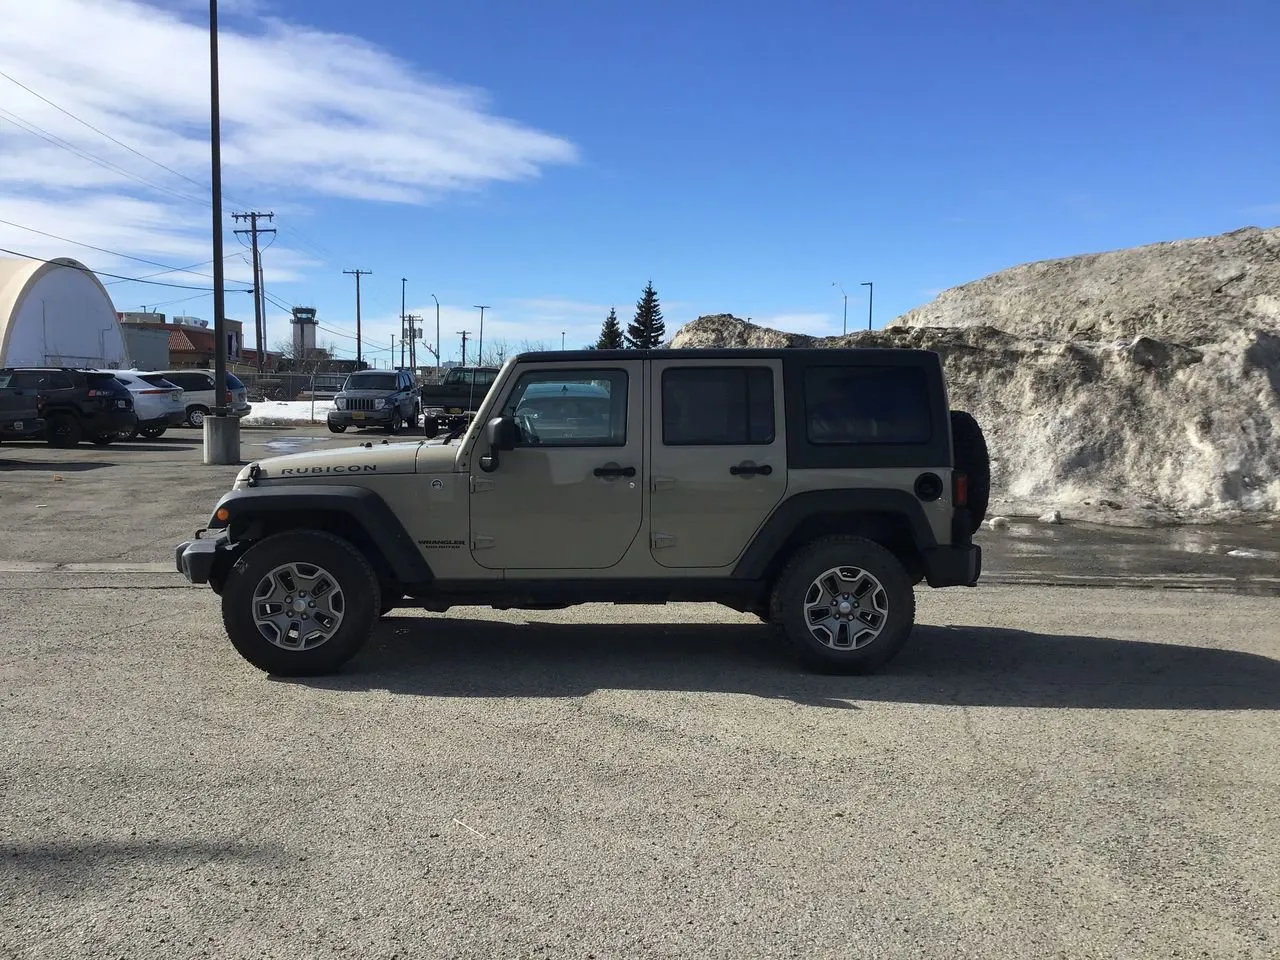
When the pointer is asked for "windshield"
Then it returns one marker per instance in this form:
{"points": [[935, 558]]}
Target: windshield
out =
{"points": [[371, 381]]}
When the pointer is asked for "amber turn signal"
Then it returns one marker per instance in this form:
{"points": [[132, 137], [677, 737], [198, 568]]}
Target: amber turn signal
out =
{"points": [[222, 513]]}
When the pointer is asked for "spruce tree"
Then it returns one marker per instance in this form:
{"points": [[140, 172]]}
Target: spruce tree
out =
{"points": [[610, 333], [647, 330]]}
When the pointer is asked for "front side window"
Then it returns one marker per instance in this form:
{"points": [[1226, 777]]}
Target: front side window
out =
{"points": [[570, 408], [857, 405], [717, 406]]}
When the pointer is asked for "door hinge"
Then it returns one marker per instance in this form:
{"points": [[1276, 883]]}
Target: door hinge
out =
{"points": [[661, 540], [661, 483], [480, 484], [482, 543]]}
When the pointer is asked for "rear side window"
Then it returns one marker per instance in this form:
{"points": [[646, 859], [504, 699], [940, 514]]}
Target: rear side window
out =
{"points": [[717, 406], [157, 381], [871, 405], [104, 381]]}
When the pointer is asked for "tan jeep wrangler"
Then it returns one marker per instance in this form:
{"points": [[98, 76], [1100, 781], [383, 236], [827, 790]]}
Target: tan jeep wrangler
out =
{"points": [[814, 488]]}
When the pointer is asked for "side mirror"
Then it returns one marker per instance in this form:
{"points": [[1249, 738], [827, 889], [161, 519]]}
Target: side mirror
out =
{"points": [[501, 434]]}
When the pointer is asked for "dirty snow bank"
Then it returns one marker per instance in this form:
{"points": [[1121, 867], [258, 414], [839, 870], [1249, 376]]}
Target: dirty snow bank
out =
{"points": [[1088, 402]]}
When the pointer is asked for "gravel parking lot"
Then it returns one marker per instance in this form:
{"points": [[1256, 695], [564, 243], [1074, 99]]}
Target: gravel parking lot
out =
{"points": [[1044, 772]]}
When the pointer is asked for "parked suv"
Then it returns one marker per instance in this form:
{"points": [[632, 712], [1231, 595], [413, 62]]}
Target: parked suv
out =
{"points": [[199, 396], [157, 402], [21, 411], [375, 398], [814, 488], [79, 404]]}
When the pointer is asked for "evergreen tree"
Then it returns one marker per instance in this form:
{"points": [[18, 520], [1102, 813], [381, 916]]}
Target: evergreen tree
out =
{"points": [[647, 330], [610, 333]]}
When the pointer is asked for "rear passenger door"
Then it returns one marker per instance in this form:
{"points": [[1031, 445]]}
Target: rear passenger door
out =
{"points": [[718, 457]]}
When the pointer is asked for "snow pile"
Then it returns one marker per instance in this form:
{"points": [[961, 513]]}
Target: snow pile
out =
{"points": [[1136, 386], [278, 413]]}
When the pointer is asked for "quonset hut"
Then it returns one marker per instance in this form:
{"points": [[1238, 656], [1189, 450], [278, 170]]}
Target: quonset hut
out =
{"points": [[56, 313]]}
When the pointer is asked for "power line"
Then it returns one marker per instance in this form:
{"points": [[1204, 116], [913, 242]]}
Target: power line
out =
{"points": [[103, 273], [119, 143], [57, 141]]}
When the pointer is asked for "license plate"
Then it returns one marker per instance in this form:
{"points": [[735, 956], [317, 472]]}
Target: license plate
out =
{"points": [[357, 416], [455, 409]]}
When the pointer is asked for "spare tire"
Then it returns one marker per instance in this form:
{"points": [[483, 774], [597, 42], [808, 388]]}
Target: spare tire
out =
{"points": [[972, 459]]}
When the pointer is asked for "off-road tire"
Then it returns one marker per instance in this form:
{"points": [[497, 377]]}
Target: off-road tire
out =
{"points": [[974, 461], [63, 430], [342, 561], [337, 428], [787, 603], [196, 415]]}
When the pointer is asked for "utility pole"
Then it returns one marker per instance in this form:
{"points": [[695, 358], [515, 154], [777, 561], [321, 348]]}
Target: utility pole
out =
{"points": [[871, 298], [259, 302], [412, 319], [358, 273], [464, 334], [433, 297], [403, 281], [480, 349]]}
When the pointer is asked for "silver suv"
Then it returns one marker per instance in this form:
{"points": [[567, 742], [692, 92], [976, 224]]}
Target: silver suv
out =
{"points": [[814, 488]]}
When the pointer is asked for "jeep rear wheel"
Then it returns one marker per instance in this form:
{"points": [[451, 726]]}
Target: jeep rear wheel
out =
{"points": [[300, 603], [845, 604]]}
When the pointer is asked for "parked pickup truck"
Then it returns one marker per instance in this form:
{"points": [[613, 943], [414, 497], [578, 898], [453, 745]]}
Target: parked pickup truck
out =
{"points": [[21, 411], [451, 403]]}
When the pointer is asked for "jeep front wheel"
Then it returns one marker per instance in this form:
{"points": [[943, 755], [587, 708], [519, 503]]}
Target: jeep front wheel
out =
{"points": [[300, 603], [845, 604]]}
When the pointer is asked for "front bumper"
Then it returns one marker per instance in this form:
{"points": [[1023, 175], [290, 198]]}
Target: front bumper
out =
{"points": [[196, 559], [359, 418], [958, 566]]}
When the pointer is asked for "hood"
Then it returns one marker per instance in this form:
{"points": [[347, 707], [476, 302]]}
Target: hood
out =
{"points": [[378, 459], [437, 457]]}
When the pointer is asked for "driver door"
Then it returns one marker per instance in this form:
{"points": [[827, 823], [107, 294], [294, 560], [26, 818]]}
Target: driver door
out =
{"points": [[570, 496]]}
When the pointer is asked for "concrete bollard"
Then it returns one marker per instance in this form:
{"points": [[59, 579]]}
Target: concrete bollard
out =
{"points": [[221, 440]]}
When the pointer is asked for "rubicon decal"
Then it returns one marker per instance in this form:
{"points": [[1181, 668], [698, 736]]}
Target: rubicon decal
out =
{"points": [[300, 471]]}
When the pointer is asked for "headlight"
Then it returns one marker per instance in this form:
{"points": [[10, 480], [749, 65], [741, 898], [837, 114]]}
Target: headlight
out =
{"points": [[340, 403], [379, 404]]}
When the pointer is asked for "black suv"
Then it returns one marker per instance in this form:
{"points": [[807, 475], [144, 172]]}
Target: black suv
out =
{"points": [[375, 398], [78, 404]]}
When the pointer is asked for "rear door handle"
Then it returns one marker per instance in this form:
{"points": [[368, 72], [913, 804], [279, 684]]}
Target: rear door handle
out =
{"points": [[614, 471], [750, 469]]}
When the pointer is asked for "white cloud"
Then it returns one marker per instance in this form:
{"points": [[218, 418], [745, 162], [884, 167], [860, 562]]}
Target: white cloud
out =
{"points": [[306, 114]]}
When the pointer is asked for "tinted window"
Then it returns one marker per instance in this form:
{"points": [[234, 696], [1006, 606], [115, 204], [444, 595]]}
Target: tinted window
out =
{"points": [[104, 381], [867, 405], [371, 381], [580, 408], [25, 381], [708, 406], [157, 381], [234, 382], [57, 381], [190, 381]]}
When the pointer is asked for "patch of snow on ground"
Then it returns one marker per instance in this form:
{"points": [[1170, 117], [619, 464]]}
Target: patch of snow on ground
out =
{"points": [[284, 412]]}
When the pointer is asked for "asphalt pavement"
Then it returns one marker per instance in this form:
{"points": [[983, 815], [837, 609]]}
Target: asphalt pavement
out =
{"points": [[1043, 772]]}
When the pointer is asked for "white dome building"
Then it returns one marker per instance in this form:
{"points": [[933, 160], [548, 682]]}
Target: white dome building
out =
{"points": [[57, 314]]}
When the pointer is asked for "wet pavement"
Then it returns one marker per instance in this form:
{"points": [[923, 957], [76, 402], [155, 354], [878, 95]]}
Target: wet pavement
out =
{"points": [[1241, 558]]}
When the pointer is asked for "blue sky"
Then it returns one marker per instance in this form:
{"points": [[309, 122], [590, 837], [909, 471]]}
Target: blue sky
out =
{"points": [[549, 158]]}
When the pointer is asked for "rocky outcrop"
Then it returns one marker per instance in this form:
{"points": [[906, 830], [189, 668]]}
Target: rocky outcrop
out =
{"points": [[1094, 406]]}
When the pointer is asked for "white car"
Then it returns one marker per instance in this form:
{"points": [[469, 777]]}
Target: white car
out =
{"points": [[197, 388], [158, 403]]}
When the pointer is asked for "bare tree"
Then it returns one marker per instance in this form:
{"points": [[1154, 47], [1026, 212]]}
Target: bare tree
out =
{"points": [[533, 346], [495, 353]]}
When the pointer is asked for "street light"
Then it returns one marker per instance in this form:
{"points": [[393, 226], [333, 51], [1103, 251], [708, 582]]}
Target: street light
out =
{"points": [[403, 281], [871, 297], [835, 283]]}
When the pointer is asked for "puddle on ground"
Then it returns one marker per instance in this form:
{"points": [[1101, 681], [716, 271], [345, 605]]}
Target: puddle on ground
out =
{"points": [[283, 445]]}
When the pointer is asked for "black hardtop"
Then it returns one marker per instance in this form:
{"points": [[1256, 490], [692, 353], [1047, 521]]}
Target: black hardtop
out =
{"points": [[852, 356]]}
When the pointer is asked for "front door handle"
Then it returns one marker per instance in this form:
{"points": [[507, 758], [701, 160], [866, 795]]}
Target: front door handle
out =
{"points": [[750, 469], [613, 470]]}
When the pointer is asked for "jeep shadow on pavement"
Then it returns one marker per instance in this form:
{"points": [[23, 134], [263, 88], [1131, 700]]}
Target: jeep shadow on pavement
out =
{"points": [[815, 489]]}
